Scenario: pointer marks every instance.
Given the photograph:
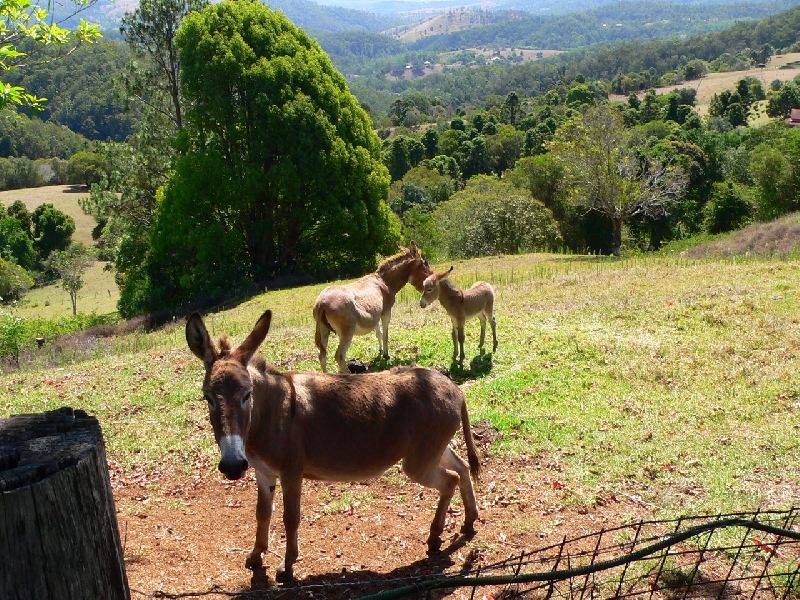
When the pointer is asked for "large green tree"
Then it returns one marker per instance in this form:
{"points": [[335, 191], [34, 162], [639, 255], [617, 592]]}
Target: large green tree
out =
{"points": [[281, 170], [606, 174]]}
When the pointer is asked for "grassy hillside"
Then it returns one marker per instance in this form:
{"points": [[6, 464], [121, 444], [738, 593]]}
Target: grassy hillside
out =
{"points": [[100, 292], [715, 83], [668, 379], [64, 198]]}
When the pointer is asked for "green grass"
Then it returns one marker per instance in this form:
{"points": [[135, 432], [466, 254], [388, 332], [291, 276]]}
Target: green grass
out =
{"points": [[671, 380]]}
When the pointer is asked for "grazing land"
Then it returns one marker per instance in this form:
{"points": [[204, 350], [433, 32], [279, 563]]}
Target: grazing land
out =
{"points": [[62, 197], [621, 389], [715, 83], [100, 293]]}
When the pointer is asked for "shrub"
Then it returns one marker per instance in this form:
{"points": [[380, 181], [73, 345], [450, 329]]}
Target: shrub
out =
{"points": [[728, 209]]}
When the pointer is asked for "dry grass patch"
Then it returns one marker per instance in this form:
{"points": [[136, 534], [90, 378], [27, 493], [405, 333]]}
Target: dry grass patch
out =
{"points": [[777, 238], [716, 83], [64, 198]]}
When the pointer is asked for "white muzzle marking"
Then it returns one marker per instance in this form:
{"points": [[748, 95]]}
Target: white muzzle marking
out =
{"points": [[231, 447]]}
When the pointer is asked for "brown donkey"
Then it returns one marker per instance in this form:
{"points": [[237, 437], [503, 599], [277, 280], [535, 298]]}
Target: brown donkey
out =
{"points": [[291, 426], [365, 305], [477, 301]]}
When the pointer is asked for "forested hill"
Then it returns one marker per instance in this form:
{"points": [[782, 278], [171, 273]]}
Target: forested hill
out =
{"points": [[316, 17], [653, 58], [613, 22]]}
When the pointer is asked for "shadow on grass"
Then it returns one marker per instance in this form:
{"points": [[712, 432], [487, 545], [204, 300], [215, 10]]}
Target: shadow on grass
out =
{"points": [[479, 367]]}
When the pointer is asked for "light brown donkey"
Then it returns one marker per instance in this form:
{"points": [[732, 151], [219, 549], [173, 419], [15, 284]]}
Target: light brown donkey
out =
{"points": [[365, 305], [291, 426], [477, 301]]}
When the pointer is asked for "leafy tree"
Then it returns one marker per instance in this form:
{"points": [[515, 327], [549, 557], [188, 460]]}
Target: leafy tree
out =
{"points": [[430, 140], [52, 229], [26, 21], [280, 173], [579, 95], [14, 281], [13, 331], [509, 112], [20, 212], [781, 102], [86, 168], [16, 243], [771, 167], [489, 217], [728, 209], [71, 264], [606, 175], [150, 30]]}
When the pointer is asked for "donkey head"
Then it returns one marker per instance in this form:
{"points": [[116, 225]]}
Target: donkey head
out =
{"points": [[430, 287], [419, 267], [227, 388]]}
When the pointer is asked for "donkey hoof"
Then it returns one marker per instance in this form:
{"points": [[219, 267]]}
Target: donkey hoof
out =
{"points": [[283, 575], [468, 529], [434, 544], [254, 560]]}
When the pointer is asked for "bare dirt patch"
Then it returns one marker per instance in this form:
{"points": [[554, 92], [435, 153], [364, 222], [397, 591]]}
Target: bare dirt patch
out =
{"points": [[188, 535]]}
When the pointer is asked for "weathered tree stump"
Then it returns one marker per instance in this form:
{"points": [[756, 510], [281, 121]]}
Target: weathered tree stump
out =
{"points": [[58, 526]]}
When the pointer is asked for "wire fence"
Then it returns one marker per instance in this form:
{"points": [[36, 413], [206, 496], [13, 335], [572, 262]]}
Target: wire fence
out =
{"points": [[753, 555]]}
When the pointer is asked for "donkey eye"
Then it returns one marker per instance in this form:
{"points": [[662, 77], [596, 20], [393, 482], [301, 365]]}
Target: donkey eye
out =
{"points": [[212, 404], [246, 398]]}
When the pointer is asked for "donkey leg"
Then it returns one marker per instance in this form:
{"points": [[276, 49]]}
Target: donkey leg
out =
{"points": [[494, 333], [451, 460], [385, 318], [345, 339], [323, 336], [454, 335], [437, 477], [482, 319], [461, 343], [291, 521], [264, 508]]}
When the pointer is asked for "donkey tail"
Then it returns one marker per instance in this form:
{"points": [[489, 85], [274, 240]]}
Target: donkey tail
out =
{"points": [[472, 452], [321, 321]]}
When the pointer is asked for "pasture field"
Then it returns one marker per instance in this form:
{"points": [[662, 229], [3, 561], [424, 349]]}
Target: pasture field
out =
{"points": [[657, 386], [614, 367], [100, 293], [64, 198], [715, 83]]}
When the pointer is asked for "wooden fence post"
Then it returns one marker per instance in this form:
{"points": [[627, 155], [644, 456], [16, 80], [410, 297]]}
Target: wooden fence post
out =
{"points": [[59, 537]]}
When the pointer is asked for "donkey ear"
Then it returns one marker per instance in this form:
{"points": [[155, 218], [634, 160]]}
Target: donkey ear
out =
{"points": [[444, 274], [249, 346], [412, 248], [199, 341]]}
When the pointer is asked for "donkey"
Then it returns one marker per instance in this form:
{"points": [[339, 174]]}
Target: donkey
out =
{"points": [[331, 427], [477, 301], [365, 305]]}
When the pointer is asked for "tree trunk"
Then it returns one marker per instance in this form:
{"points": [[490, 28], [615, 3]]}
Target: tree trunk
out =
{"points": [[617, 235], [58, 526]]}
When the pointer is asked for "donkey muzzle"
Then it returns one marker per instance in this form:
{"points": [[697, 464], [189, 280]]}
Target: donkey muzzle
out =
{"points": [[233, 463], [422, 303]]}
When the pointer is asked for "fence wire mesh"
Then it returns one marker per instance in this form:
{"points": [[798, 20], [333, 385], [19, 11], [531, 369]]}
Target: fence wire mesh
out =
{"points": [[720, 556], [748, 555]]}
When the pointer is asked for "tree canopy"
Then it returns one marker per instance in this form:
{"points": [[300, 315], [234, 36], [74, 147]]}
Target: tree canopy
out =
{"points": [[281, 171]]}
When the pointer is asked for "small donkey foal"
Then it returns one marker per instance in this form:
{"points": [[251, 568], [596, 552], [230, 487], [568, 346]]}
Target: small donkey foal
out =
{"points": [[461, 305], [291, 426]]}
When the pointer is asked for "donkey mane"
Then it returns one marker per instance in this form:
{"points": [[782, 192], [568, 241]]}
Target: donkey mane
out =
{"points": [[389, 262], [225, 346]]}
